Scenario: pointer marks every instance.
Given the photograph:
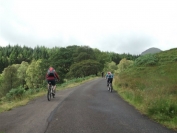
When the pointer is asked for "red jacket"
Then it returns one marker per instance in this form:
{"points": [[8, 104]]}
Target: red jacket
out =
{"points": [[52, 77]]}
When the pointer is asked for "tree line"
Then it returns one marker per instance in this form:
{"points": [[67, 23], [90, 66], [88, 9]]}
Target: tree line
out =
{"points": [[26, 67]]}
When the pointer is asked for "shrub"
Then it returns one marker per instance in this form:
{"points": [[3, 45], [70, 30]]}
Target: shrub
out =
{"points": [[146, 60], [30, 91], [15, 93], [174, 59], [124, 64]]}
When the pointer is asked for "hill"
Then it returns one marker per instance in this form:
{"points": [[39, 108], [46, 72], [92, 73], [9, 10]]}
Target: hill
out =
{"points": [[150, 86], [151, 51]]}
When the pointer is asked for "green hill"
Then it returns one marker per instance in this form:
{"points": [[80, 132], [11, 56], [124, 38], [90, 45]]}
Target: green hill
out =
{"points": [[150, 84], [151, 51]]}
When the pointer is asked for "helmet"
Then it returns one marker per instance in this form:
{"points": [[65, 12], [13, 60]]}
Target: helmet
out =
{"points": [[51, 68]]}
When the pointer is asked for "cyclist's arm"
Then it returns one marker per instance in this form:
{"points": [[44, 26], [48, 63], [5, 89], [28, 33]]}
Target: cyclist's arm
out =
{"points": [[46, 76], [112, 77], [106, 76], [57, 76]]}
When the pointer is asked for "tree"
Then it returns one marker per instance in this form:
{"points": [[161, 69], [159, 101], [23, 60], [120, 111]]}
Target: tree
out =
{"points": [[124, 64], [83, 53], [40, 52], [21, 72], [82, 56], [101, 57], [84, 68], [110, 66], [1, 87], [34, 74], [61, 59], [12, 58], [10, 78], [4, 63]]}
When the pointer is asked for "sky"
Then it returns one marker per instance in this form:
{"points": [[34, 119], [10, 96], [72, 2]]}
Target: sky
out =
{"points": [[120, 26]]}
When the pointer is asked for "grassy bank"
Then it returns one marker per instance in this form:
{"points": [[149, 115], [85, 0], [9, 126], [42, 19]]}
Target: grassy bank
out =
{"points": [[151, 86], [13, 100]]}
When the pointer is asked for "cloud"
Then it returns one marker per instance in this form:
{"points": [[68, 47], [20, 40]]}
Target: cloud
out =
{"points": [[119, 26], [127, 42]]}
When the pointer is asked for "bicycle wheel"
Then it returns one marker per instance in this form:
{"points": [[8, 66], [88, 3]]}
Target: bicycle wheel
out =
{"points": [[49, 94]]}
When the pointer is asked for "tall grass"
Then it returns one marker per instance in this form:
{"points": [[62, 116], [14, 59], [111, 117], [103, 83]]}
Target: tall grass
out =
{"points": [[152, 87]]}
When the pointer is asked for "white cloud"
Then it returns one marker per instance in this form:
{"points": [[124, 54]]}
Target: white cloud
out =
{"points": [[123, 25]]}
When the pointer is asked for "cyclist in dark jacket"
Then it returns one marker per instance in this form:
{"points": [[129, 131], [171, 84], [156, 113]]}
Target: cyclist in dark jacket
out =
{"points": [[52, 76]]}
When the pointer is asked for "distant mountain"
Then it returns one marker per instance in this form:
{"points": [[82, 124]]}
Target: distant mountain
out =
{"points": [[151, 51]]}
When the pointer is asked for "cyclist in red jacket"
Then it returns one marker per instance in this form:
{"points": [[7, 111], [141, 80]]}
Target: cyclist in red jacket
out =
{"points": [[52, 76]]}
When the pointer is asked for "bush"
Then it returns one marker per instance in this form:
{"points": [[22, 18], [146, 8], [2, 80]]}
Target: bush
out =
{"points": [[15, 93], [124, 64], [146, 60], [174, 59]]}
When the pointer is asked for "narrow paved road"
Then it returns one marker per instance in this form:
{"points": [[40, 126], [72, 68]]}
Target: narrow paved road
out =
{"points": [[88, 108]]}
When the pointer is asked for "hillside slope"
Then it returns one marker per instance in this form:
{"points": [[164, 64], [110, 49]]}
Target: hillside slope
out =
{"points": [[151, 86]]}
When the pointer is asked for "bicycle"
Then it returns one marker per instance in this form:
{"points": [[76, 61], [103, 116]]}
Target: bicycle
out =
{"points": [[110, 86], [50, 92]]}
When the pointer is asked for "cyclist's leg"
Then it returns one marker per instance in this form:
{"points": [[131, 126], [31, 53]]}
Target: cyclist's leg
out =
{"points": [[54, 88], [48, 84], [107, 81], [111, 81], [54, 85]]}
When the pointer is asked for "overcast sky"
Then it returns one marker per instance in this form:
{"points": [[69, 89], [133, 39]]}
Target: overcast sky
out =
{"points": [[121, 26]]}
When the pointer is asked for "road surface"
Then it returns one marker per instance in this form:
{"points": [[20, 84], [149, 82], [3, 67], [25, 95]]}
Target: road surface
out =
{"points": [[88, 108]]}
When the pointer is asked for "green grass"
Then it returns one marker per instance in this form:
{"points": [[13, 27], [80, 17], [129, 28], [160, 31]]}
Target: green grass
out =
{"points": [[11, 100], [152, 89]]}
